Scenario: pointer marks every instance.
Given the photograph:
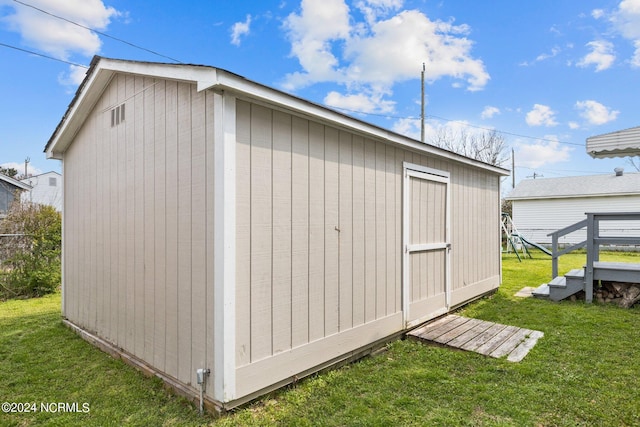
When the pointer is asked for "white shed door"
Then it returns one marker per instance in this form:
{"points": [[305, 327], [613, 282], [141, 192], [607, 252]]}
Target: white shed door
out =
{"points": [[426, 243]]}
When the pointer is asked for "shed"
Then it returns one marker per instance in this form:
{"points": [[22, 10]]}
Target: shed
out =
{"points": [[211, 222], [9, 187], [544, 205], [46, 189]]}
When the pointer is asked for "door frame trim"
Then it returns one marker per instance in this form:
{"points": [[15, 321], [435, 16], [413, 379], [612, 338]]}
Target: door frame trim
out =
{"points": [[422, 172]]}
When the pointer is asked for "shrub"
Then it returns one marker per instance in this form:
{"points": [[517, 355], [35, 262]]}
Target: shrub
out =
{"points": [[33, 267]]}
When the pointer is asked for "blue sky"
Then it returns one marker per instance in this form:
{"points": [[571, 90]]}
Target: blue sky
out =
{"points": [[547, 74]]}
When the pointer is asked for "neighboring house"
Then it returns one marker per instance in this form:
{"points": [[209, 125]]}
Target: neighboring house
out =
{"points": [[9, 187], [215, 223], [544, 205], [46, 189]]}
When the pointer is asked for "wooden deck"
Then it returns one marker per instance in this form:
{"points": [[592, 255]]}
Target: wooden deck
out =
{"points": [[479, 336]]}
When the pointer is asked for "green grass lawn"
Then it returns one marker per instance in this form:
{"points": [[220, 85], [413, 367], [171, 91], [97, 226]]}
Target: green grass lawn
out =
{"points": [[584, 371]]}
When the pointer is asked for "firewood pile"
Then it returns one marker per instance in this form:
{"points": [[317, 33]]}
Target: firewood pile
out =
{"points": [[623, 294]]}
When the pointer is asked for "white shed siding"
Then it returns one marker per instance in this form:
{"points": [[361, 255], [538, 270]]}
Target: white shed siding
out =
{"points": [[308, 241], [138, 263], [536, 218], [319, 230]]}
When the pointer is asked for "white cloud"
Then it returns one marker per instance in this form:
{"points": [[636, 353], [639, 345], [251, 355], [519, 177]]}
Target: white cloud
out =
{"points": [[635, 60], [626, 19], [597, 13], [372, 9], [374, 53], [73, 77], [601, 55], [541, 153], [408, 127], [574, 125], [360, 102], [595, 113], [240, 29], [554, 52], [59, 38], [541, 115], [489, 112]]}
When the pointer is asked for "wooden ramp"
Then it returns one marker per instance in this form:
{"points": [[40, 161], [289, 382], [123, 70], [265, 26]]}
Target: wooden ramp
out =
{"points": [[488, 338]]}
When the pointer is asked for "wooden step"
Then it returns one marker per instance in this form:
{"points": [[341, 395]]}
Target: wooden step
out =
{"points": [[541, 291], [561, 288]]}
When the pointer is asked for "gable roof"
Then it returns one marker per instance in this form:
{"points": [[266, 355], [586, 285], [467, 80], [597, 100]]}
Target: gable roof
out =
{"points": [[102, 71], [621, 143], [26, 180], [14, 182], [577, 186]]}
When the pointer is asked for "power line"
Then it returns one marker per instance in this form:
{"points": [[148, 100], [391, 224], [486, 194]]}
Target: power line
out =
{"points": [[97, 32], [44, 56], [389, 116]]}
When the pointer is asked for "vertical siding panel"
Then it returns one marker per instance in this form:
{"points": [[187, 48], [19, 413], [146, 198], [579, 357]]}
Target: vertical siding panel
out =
{"points": [[261, 233], [185, 219], [138, 219], [399, 154], [93, 196], [93, 122], [210, 236], [171, 242], [281, 232], [111, 230], [126, 202], [331, 249], [345, 236], [455, 239], [415, 209], [243, 232], [160, 231], [381, 231], [101, 206], [119, 230], [149, 218], [198, 234], [129, 209], [358, 231], [300, 232], [371, 278], [390, 218], [316, 231]]}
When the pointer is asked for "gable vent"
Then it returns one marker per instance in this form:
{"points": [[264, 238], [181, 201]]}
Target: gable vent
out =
{"points": [[117, 115]]}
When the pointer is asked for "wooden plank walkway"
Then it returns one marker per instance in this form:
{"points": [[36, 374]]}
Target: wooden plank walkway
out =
{"points": [[487, 338]]}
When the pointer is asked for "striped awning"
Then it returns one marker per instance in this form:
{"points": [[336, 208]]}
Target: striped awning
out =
{"points": [[621, 143]]}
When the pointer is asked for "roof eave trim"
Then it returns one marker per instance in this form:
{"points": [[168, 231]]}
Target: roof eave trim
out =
{"points": [[234, 83]]}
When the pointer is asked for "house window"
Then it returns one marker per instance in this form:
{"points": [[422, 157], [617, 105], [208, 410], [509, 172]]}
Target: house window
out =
{"points": [[117, 115], [53, 182]]}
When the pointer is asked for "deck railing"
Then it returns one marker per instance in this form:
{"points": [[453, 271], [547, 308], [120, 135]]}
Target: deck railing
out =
{"points": [[593, 242]]}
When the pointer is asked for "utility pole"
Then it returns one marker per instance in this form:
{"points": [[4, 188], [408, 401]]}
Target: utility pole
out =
{"points": [[536, 175], [422, 105], [513, 169], [26, 162]]}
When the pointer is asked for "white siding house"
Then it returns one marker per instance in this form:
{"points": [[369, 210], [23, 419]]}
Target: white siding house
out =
{"points": [[211, 222], [541, 206], [46, 189], [9, 187]]}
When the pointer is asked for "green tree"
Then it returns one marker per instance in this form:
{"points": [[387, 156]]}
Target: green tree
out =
{"points": [[34, 266], [10, 172]]}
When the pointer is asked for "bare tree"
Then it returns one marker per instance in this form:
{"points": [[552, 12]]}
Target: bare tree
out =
{"points": [[488, 146]]}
